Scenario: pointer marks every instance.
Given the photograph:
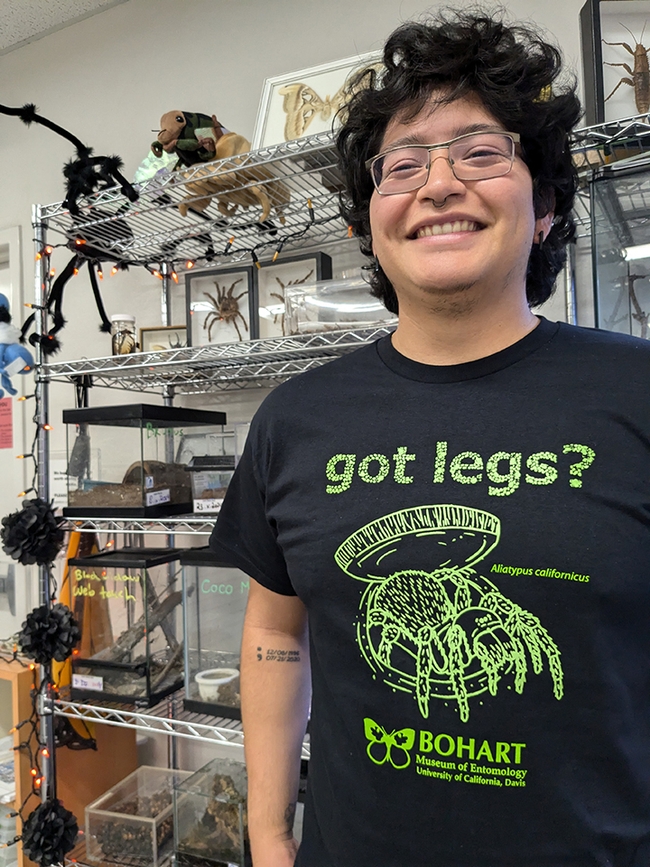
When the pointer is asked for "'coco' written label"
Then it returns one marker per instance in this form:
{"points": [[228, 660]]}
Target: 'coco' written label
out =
{"points": [[155, 498], [208, 504], [88, 681]]}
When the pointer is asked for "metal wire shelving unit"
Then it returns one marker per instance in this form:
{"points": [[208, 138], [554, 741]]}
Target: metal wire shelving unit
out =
{"points": [[242, 209]]}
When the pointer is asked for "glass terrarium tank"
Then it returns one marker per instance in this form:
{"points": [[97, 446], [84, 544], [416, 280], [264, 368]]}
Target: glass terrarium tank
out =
{"points": [[620, 250], [215, 596], [141, 452], [128, 605], [133, 822], [210, 823], [332, 305]]}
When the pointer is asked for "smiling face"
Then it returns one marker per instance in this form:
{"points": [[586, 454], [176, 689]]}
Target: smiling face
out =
{"points": [[451, 244]]}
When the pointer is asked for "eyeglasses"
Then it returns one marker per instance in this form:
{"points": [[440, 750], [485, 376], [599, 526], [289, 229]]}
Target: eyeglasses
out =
{"points": [[474, 156]]}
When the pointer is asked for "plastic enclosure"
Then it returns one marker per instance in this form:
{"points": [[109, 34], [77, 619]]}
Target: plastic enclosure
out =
{"points": [[332, 305], [142, 452], [215, 596], [128, 605], [133, 823], [210, 821]]}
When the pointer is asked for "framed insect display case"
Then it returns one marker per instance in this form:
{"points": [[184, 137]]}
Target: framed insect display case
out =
{"points": [[614, 39], [215, 596], [221, 305], [141, 459], [273, 279], [210, 816], [163, 337], [620, 248], [128, 605]]}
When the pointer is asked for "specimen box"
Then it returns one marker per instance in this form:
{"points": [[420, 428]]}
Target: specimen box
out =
{"points": [[140, 472], [215, 596], [133, 822], [128, 604], [332, 305], [210, 823]]}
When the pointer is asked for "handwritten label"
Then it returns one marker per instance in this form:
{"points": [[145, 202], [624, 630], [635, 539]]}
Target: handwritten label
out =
{"points": [[91, 584], [155, 498], [88, 681], [6, 424], [208, 504]]}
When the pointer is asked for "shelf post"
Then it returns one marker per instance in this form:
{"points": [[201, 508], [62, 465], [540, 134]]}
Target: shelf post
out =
{"points": [[166, 294], [41, 283]]}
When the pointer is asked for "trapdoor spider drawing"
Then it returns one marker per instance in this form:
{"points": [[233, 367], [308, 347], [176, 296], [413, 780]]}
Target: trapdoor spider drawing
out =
{"points": [[428, 623]]}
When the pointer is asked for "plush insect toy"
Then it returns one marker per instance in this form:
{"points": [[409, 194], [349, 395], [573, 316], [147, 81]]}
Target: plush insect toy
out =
{"points": [[14, 358], [84, 176]]}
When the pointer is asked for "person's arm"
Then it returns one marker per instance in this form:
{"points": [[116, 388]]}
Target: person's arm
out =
{"points": [[275, 695]]}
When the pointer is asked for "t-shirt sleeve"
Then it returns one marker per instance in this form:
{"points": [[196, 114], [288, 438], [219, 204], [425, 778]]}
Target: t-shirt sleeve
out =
{"points": [[243, 535]]}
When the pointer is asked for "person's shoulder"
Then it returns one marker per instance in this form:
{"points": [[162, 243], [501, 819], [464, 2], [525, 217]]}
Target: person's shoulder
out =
{"points": [[606, 343], [329, 377]]}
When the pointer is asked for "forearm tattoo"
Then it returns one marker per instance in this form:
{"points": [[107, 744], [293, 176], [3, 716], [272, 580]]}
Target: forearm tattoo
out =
{"points": [[269, 654]]}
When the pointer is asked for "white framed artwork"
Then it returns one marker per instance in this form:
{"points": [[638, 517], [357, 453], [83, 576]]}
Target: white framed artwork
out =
{"points": [[306, 102]]}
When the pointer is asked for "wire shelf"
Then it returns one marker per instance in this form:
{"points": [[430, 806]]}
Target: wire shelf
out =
{"points": [[166, 718], [623, 141], [216, 367], [213, 212], [183, 524]]}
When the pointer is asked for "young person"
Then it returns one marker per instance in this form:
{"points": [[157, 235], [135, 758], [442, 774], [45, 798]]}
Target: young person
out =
{"points": [[451, 525]]}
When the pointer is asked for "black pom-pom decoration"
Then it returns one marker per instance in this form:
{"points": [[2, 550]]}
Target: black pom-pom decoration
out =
{"points": [[49, 633], [33, 534], [49, 833]]}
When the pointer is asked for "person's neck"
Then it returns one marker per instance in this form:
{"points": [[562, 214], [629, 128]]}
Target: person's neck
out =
{"points": [[457, 336]]}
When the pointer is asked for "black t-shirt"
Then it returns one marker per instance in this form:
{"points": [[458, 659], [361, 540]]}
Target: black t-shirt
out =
{"points": [[472, 545]]}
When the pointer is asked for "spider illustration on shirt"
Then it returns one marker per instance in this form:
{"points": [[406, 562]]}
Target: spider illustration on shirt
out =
{"points": [[439, 629]]}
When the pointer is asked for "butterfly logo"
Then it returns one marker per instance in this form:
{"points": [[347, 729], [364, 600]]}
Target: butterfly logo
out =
{"points": [[384, 747]]}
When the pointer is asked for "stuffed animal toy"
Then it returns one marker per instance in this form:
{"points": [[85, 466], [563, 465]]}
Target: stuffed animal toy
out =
{"points": [[84, 176], [197, 138], [14, 358]]}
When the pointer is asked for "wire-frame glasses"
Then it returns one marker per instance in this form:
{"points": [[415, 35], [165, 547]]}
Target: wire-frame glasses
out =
{"points": [[472, 157]]}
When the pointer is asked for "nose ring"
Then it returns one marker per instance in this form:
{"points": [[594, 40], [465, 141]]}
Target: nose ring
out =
{"points": [[439, 204]]}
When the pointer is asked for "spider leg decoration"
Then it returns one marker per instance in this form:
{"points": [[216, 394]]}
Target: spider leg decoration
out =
{"points": [[84, 176]]}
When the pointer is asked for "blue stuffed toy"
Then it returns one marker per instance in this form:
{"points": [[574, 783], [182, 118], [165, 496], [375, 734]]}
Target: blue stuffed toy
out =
{"points": [[14, 358]]}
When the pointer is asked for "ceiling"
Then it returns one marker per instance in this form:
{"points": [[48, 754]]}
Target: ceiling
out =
{"points": [[27, 20]]}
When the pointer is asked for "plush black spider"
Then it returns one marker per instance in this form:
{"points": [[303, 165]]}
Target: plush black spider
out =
{"points": [[84, 176]]}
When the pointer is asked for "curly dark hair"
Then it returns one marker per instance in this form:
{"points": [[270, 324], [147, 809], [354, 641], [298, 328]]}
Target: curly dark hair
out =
{"points": [[514, 73]]}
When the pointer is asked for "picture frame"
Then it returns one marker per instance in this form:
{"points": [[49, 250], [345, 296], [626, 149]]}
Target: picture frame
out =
{"points": [[162, 337], [610, 21], [272, 279], [234, 290], [305, 102]]}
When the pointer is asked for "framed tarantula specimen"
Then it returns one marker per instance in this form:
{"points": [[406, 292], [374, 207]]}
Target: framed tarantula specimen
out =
{"points": [[274, 277], [221, 306]]}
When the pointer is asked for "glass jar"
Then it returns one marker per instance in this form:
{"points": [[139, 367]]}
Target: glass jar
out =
{"points": [[123, 339]]}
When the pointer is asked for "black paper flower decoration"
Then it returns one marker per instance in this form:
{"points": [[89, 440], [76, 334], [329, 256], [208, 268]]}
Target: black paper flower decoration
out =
{"points": [[49, 833], [33, 534], [49, 633]]}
